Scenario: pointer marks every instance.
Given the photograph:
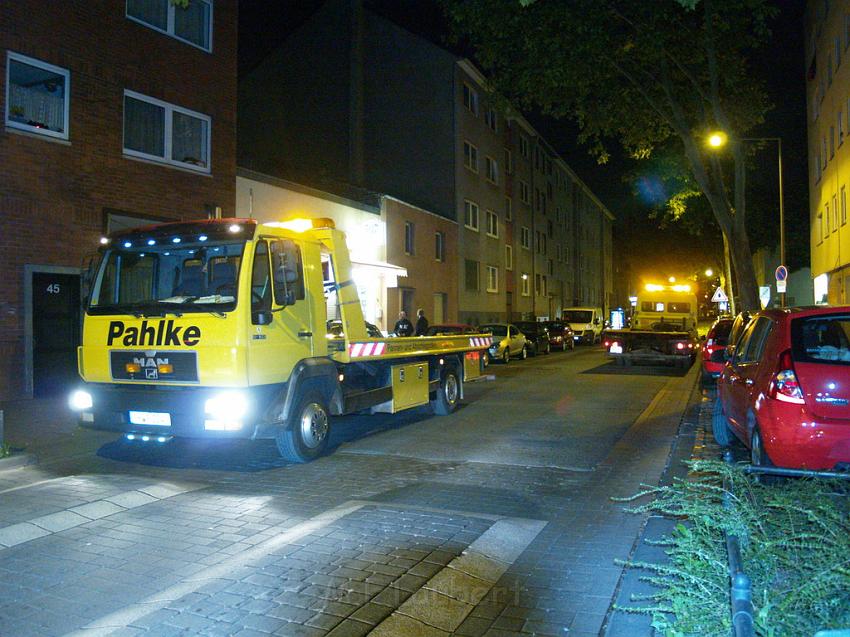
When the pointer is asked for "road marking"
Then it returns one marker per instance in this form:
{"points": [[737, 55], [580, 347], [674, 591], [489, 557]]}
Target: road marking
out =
{"points": [[445, 601], [123, 617], [62, 520]]}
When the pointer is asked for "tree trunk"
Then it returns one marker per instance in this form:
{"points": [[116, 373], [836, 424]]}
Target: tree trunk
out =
{"points": [[745, 274]]}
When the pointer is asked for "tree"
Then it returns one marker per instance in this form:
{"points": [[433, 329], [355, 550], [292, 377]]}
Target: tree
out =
{"points": [[644, 73]]}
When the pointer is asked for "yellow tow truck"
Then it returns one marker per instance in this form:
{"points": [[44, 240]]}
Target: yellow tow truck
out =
{"points": [[218, 328]]}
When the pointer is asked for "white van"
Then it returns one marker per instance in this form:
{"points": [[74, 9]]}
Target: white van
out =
{"points": [[586, 323]]}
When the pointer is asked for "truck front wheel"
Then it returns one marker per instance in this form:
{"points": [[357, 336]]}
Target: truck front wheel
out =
{"points": [[448, 393], [305, 436]]}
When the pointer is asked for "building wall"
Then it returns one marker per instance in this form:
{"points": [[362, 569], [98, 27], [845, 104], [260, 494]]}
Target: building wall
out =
{"points": [[427, 276], [56, 193], [827, 92]]}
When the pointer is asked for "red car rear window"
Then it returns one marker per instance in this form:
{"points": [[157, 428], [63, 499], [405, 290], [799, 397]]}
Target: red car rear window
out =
{"points": [[824, 338], [720, 332]]}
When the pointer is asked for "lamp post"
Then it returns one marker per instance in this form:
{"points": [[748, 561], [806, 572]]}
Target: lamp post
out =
{"points": [[719, 139]]}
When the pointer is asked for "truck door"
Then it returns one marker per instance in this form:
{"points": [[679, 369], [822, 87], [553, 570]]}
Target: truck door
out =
{"points": [[277, 288]]}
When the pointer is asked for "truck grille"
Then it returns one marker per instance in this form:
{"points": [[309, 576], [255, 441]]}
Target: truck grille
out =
{"points": [[152, 366]]}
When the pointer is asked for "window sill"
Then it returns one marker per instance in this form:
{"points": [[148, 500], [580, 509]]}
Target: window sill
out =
{"points": [[471, 228], [47, 138], [164, 164]]}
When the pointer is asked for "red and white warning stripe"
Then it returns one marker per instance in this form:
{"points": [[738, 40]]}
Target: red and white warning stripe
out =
{"points": [[357, 350], [476, 341]]}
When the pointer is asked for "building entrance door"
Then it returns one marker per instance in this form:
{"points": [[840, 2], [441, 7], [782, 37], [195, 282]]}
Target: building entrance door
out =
{"points": [[55, 331], [439, 308]]}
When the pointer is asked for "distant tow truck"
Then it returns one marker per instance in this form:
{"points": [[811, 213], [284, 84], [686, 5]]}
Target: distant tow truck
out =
{"points": [[663, 329], [218, 329]]}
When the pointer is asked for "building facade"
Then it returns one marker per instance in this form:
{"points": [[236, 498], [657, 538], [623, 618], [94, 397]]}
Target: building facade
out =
{"points": [[827, 33], [412, 121], [139, 128]]}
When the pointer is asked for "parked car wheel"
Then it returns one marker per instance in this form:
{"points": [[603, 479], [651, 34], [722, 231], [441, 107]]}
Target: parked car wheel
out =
{"points": [[758, 455], [506, 355], [723, 435], [448, 393], [524, 353]]}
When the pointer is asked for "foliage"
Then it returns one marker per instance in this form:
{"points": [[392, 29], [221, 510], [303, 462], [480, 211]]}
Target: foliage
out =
{"points": [[643, 73], [795, 542], [5, 450]]}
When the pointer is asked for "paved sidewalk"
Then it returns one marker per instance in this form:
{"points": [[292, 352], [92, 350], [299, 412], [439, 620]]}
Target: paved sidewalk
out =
{"points": [[351, 544]]}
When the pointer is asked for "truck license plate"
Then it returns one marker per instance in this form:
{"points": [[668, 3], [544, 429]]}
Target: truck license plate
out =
{"points": [[150, 418]]}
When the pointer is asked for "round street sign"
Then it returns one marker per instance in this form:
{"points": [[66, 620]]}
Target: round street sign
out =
{"points": [[781, 273]]}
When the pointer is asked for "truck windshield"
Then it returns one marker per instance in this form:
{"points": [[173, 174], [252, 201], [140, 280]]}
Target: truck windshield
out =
{"points": [[190, 277], [577, 316]]}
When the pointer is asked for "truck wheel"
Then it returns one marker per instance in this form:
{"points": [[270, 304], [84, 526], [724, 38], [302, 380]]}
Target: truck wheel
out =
{"points": [[305, 436], [720, 428], [448, 393]]}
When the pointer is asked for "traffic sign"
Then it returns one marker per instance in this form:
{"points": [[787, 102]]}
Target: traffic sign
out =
{"points": [[780, 286], [719, 296], [781, 273]]}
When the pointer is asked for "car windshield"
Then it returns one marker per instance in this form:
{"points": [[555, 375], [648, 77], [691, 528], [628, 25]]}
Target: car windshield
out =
{"points": [[821, 339], [495, 330], [530, 328], [159, 276], [577, 316]]}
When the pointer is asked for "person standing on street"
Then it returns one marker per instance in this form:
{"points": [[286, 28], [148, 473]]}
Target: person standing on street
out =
{"points": [[403, 326], [421, 322]]}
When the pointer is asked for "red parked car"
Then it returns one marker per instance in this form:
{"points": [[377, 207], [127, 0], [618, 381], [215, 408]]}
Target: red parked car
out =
{"points": [[560, 335], [785, 391], [715, 341]]}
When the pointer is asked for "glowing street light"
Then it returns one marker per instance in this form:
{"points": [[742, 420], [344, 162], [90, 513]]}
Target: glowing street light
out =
{"points": [[672, 279], [717, 139], [709, 272]]}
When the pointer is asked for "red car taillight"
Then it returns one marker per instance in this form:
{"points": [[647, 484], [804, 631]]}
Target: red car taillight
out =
{"points": [[785, 386]]}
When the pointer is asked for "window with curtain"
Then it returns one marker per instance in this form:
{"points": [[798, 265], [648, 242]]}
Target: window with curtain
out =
{"points": [[38, 96], [160, 131], [192, 23]]}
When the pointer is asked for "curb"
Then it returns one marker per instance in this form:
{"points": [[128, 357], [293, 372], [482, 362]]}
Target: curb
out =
{"points": [[16, 461]]}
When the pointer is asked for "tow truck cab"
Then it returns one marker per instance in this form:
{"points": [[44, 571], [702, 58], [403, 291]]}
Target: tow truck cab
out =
{"points": [[218, 329]]}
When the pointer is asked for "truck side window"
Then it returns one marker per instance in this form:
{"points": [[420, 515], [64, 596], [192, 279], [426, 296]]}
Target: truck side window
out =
{"points": [[288, 272], [261, 292]]}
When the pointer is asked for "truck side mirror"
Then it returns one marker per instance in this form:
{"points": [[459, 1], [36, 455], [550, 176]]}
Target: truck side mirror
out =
{"points": [[261, 317]]}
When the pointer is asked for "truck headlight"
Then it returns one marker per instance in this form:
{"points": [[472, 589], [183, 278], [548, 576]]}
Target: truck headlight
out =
{"points": [[80, 400], [227, 406]]}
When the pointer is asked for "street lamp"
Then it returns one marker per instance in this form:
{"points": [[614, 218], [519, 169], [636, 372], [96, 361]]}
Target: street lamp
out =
{"points": [[709, 272], [717, 140]]}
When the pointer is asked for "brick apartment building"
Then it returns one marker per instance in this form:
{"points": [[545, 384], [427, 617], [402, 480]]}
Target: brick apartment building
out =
{"points": [[350, 98], [114, 114]]}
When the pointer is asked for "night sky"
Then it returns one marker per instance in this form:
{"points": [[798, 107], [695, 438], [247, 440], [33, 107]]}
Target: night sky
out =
{"points": [[263, 24]]}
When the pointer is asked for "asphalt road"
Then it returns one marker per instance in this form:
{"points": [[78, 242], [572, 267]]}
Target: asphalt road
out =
{"points": [[496, 520]]}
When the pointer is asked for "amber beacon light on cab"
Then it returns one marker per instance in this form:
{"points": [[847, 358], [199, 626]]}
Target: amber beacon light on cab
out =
{"points": [[218, 328]]}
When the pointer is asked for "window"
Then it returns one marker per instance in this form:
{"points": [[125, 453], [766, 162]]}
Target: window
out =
{"points": [[538, 284], [837, 47], [834, 213], [551, 267], [523, 146], [37, 96], [159, 131], [439, 246], [831, 142], [470, 215], [509, 257], [192, 24], [492, 278], [470, 157], [826, 220], [524, 194], [840, 128], [409, 247], [492, 224], [829, 70], [525, 238], [526, 284], [820, 227], [752, 342], [550, 228], [491, 170], [490, 119], [509, 162], [471, 275], [509, 214], [261, 294], [843, 205], [470, 99], [287, 272], [846, 31]]}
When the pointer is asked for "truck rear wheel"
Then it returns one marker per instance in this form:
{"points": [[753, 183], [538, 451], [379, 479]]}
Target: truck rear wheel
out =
{"points": [[448, 393], [305, 436]]}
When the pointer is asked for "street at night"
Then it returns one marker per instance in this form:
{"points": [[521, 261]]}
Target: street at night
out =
{"points": [[497, 518]]}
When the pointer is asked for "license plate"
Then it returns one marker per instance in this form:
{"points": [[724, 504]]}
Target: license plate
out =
{"points": [[616, 348], [150, 418]]}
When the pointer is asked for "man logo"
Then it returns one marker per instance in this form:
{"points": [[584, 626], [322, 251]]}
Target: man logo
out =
{"points": [[150, 373]]}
